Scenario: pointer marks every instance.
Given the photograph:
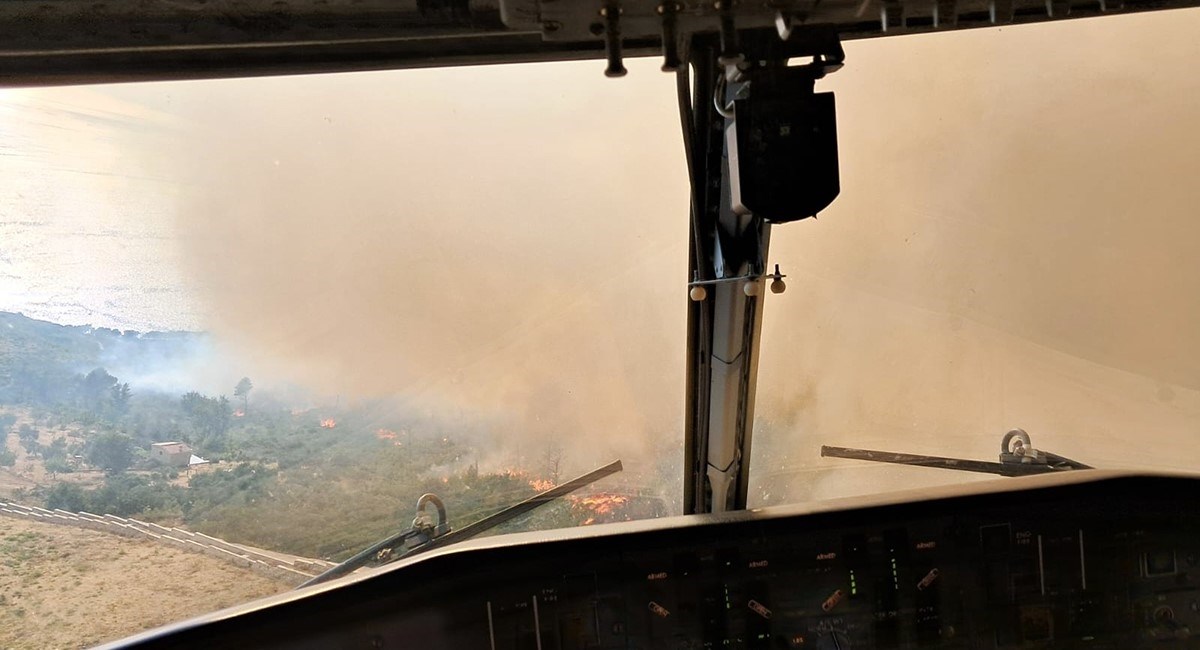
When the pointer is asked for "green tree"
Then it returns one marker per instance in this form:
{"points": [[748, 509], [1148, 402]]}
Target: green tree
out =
{"points": [[210, 416], [97, 385], [54, 457], [27, 434], [67, 496], [57, 449], [112, 452], [32, 446], [120, 397], [58, 466], [7, 458], [242, 390]]}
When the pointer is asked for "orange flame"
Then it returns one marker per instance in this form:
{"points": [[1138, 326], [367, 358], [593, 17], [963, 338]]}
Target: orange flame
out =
{"points": [[541, 485], [328, 423], [386, 434], [602, 503], [239, 413], [600, 506]]}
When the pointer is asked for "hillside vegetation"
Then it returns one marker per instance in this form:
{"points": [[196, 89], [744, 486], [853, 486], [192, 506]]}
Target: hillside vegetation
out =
{"points": [[313, 481]]}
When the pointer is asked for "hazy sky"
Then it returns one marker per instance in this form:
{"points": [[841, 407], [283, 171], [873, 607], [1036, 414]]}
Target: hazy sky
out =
{"points": [[1015, 244]]}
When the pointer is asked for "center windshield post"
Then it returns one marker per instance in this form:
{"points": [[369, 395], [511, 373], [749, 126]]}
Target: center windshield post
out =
{"points": [[762, 150]]}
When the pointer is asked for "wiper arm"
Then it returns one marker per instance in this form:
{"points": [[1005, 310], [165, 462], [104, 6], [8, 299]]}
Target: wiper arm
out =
{"points": [[424, 536], [1017, 458]]}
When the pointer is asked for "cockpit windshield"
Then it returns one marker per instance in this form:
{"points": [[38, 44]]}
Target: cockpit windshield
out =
{"points": [[247, 323]]}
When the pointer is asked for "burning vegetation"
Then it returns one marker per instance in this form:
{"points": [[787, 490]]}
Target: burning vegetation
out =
{"points": [[387, 434], [601, 507], [594, 508], [328, 423]]}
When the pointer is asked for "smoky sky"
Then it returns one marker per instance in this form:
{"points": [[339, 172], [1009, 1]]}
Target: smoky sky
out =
{"points": [[496, 240], [1015, 245]]}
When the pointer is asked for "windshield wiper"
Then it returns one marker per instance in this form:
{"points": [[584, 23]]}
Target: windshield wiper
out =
{"points": [[424, 535], [1017, 458]]}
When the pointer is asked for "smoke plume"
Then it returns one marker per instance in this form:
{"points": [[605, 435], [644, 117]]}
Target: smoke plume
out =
{"points": [[1014, 246]]}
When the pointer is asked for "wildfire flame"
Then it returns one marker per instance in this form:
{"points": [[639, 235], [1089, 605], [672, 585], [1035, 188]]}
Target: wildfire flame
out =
{"points": [[328, 423], [239, 413], [385, 434], [602, 504], [598, 507]]}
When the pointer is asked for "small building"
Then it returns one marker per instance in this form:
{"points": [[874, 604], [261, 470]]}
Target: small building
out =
{"points": [[173, 454]]}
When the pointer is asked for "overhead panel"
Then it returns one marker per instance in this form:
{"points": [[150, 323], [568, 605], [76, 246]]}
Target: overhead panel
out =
{"points": [[81, 41]]}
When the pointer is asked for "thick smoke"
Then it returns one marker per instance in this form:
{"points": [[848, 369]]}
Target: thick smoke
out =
{"points": [[499, 243], [1014, 247]]}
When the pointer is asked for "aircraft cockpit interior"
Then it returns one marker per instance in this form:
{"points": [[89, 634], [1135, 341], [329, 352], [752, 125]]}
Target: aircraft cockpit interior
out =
{"points": [[1055, 549]]}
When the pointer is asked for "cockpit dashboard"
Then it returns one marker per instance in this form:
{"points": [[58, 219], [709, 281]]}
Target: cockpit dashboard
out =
{"points": [[1079, 559]]}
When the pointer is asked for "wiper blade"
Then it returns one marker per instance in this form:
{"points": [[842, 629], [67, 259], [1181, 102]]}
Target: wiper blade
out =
{"points": [[939, 462], [428, 538], [1017, 458]]}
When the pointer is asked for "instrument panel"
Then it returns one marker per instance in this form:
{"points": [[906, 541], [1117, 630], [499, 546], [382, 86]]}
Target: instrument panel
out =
{"points": [[1095, 560]]}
